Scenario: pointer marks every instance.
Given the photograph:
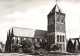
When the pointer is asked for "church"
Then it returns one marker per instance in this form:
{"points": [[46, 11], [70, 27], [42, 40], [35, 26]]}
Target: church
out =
{"points": [[55, 34]]}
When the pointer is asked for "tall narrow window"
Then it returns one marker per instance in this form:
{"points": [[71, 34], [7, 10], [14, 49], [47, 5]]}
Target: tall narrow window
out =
{"points": [[16, 40], [62, 20], [63, 38], [58, 18], [53, 39], [60, 38], [57, 38], [49, 39], [21, 41]]}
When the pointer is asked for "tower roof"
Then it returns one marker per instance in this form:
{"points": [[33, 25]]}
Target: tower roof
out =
{"points": [[56, 8]]}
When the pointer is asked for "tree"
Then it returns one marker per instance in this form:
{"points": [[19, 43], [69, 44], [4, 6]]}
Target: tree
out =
{"points": [[37, 45], [70, 46], [79, 46], [0, 51], [27, 46], [15, 47], [54, 47], [43, 44], [1, 45], [76, 46]]}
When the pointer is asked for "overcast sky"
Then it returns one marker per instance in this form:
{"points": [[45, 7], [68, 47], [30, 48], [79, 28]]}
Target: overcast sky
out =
{"points": [[33, 14]]}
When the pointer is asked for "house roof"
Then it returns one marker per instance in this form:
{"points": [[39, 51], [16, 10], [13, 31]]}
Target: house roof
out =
{"points": [[27, 32], [74, 38]]}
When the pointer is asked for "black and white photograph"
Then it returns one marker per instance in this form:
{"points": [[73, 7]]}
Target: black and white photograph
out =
{"points": [[39, 27]]}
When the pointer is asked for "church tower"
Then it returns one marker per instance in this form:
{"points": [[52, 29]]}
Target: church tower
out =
{"points": [[56, 28]]}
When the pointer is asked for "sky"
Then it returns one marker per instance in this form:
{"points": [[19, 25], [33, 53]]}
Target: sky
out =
{"points": [[33, 14]]}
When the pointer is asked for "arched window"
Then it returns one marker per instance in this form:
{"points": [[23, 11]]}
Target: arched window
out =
{"points": [[60, 38], [58, 19], [63, 38], [62, 20], [57, 38]]}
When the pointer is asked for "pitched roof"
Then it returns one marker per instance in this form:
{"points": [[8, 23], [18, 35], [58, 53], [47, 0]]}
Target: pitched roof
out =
{"points": [[27, 32], [55, 9], [74, 38]]}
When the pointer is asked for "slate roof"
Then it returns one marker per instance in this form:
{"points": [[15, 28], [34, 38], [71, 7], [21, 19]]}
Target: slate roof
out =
{"points": [[55, 9], [26, 32]]}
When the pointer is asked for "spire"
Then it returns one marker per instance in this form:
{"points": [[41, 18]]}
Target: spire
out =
{"points": [[56, 1], [55, 8]]}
